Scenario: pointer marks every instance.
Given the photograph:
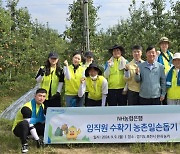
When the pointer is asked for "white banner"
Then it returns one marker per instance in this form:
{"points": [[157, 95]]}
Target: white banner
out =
{"points": [[128, 124]]}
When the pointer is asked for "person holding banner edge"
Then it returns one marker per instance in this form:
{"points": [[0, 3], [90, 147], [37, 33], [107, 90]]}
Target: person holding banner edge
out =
{"points": [[30, 120]]}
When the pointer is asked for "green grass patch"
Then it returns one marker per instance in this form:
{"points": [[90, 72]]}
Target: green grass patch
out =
{"points": [[11, 90]]}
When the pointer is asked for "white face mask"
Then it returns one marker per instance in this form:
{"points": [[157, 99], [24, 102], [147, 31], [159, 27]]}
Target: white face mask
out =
{"points": [[94, 77]]}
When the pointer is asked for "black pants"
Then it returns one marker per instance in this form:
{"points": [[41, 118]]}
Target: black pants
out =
{"points": [[116, 98], [133, 98], [164, 102], [85, 98], [22, 130], [150, 101], [91, 102], [54, 101]]}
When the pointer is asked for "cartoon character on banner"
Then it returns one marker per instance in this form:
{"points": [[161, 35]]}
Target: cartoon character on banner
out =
{"points": [[72, 133]]}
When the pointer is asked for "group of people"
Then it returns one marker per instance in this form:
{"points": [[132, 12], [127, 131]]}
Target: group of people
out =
{"points": [[154, 81]]}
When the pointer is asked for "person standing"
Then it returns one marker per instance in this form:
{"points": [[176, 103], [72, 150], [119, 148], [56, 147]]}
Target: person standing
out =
{"points": [[88, 58], [51, 78], [30, 120], [150, 74], [130, 71], [165, 56], [173, 82], [114, 73], [73, 74], [96, 86]]}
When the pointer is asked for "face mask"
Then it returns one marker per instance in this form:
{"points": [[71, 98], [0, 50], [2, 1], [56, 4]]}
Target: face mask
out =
{"points": [[94, 77]]}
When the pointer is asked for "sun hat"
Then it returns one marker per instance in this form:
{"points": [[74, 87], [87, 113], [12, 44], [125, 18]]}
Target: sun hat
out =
{"points": [[95, 66], [117, 47], [164, 39], [176, 55]]}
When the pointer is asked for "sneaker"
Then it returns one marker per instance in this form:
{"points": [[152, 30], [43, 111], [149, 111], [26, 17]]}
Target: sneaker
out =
{"points": [[39, 143], [24, 148]]}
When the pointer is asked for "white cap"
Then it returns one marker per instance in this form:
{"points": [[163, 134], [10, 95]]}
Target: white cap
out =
{"points": [[176, 55]]}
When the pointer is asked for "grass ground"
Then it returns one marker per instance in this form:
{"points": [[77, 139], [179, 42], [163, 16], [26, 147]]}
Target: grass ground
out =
{"points": [[11, 144]]}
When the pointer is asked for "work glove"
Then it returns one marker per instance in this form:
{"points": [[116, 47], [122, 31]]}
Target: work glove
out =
{"points": [[42, 71]]}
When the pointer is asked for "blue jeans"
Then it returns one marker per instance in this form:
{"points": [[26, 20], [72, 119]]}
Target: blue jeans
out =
{"points": [[73, 101]]}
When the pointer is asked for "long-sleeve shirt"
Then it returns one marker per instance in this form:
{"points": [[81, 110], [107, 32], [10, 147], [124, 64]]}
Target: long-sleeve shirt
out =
{"points": [[152, 81], [129, 76], [104, 90]]}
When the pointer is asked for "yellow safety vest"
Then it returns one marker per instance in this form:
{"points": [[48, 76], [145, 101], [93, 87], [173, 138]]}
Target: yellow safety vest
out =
{"points": [[72, 85], [19, 116], [47, 80], [166, 63], [132, 84], [174, 91], [116, 77], [86, 65], [94, 88]]}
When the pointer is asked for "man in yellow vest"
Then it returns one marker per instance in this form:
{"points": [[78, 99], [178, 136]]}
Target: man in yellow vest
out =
{"points": [[130, 71], [30, 120], [165, 58], [173, 82], [114, 73], [96, 86]]}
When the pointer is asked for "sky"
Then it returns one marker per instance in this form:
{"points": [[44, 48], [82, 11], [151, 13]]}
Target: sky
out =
{"points": [[55, 11]]}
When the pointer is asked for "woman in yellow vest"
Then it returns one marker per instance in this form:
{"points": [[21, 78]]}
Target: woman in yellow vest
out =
{"points": [[73, 74], [51, 78], [173, 82], [114, 73], [165, 58], [96, 86]]}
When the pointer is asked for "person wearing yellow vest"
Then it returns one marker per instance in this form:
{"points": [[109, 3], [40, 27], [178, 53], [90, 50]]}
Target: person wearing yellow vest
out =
{"points": [[173, 82], [96, 86], [30, 120], [130, 71], [88, 56], [51, 78], [165, 58], [114, 73], [73, 74], [88, 59]]}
